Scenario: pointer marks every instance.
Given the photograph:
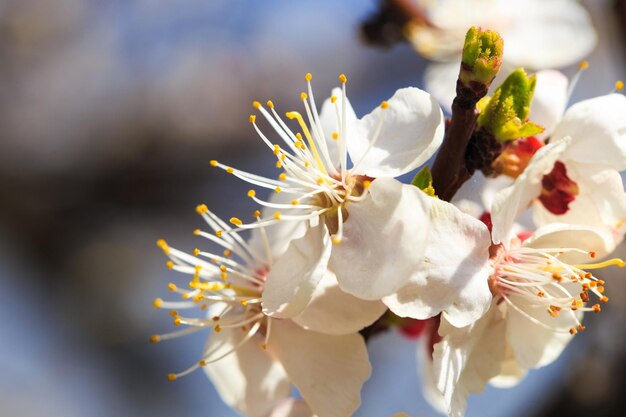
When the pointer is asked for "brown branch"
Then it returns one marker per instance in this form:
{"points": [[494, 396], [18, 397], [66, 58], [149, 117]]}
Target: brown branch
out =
{"points": [[449, 170]]}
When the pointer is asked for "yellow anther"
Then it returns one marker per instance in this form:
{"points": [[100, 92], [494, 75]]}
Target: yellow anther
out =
{"points": [[336, 240], [308, 76], [157, 303], [235, 221], [277, 215], [279, 164], [213, 163], [270, 104], [230, 170], [320, 180], [581, 327], [163, 245], [541, 294], [217, 328], [201, 208], [177, 321], [384, 105], [282, 177], [202, 363], [198, 298], [155, 339], [196, 252], [256, 104], [294, 202], [215, 318], [309, 138], [173, 313], [264, 346], [604, 299], [277, 190], [367, 184], [171, 377], [223, 268], [169, 264], [333, 99], [227, 253], [244, 302], [219, 233], [256, 214], [252, 118], [224, 276], [573, 331], [251, 193], [600, 289], [197, 232], [335, 135], [203, 307], [343, 78], [171, 287], [303, 96], [583, 65], [299, 135], [596, 308], [619, 85]]}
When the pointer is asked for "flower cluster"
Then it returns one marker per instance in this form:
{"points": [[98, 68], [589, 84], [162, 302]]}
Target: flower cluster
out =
{"points": [[339, 246]]}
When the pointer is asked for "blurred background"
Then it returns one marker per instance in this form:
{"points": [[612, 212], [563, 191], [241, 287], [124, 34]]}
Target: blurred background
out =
{"points": [[109, 114]]}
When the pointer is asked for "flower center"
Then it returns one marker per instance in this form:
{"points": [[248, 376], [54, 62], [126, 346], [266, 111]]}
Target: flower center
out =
{"points": [[528, 277], [226, 289], [558, 190]]}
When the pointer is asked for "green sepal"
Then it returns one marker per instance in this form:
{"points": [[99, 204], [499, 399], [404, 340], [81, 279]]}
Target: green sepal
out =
{"points": [[424, 181], [482, 56], [505, 116]]}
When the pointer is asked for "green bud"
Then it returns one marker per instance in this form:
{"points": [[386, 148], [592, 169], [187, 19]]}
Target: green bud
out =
{"points": [[482, 56], [424, 181], [505, 116]]}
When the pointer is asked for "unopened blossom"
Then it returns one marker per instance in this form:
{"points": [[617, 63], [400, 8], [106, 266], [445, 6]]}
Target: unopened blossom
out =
{"points": [[253, 359], [574, 178], [537, 35], [541, 289], [338, 174]]}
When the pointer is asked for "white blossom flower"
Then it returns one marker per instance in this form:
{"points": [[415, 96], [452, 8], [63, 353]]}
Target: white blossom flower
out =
{"points": [[253, 359], [297, 408], [575, 178], [537, 35], [541, 288], [378, 225]]}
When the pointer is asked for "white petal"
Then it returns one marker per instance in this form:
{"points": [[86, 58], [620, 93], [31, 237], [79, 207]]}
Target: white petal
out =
{"points": [[598, 131], [329, 371], [278, 235], [511, 373], [601, 201], [412, 130], [292, 408], [333, 311], [330, 122], [533, 344], [440, 81], [549, 101], [248, 379], [295, 275], [510, 203], [425, 370], [550, 34], [467, 358], [455, 272], [587, 238], [384, 240], [491, 188]]}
